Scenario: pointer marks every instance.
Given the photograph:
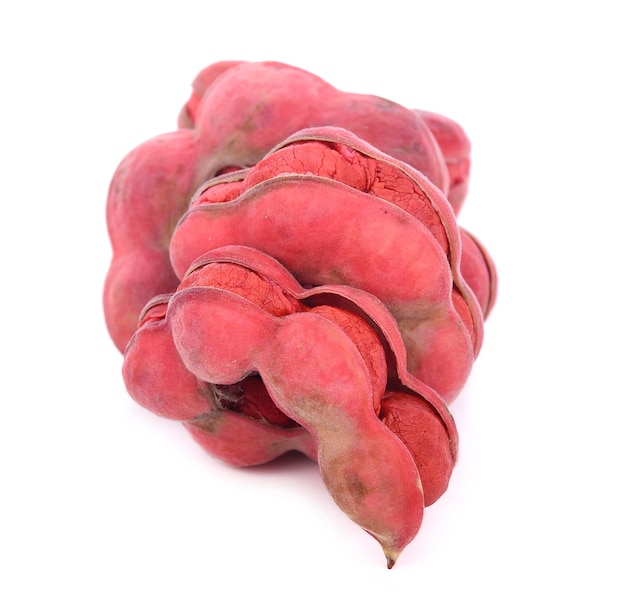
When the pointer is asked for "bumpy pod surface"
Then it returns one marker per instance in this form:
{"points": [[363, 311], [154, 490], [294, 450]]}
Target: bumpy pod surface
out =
{"points": [[335, 210], [256, 365], [288, 274], [239, 111]]}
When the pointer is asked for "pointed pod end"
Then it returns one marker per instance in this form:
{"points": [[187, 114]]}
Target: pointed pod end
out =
{"points": [[392, 556], [390, 549]]}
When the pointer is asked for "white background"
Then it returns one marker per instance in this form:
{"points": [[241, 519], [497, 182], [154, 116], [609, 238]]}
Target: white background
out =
{"points": [[107, 508]]}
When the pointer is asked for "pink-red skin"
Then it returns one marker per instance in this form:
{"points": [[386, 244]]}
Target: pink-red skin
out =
{"points": [[237, 112], [479, 271], [153, 374], [316, 376], [387, 252], [348, 299], [201, 83], [316, 370], [249, 107], [412, 419], [262, 346], [456, 148], [148, 194], [157, 379], [241, 441]]}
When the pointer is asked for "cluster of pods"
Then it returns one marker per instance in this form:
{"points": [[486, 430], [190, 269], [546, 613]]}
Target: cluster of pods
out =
{"points": [[288, 274]]}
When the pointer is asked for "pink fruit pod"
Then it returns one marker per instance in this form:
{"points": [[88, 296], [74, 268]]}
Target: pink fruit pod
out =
{"points": [[238, 111], [456, 149], [333, 209], [256, 365]]}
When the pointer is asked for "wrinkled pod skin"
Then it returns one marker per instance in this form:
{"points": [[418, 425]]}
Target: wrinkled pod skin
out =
{"points": [[335, 210], [238, 111], [329, 205], [316, 376], [258, 277], [221, 336]]}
